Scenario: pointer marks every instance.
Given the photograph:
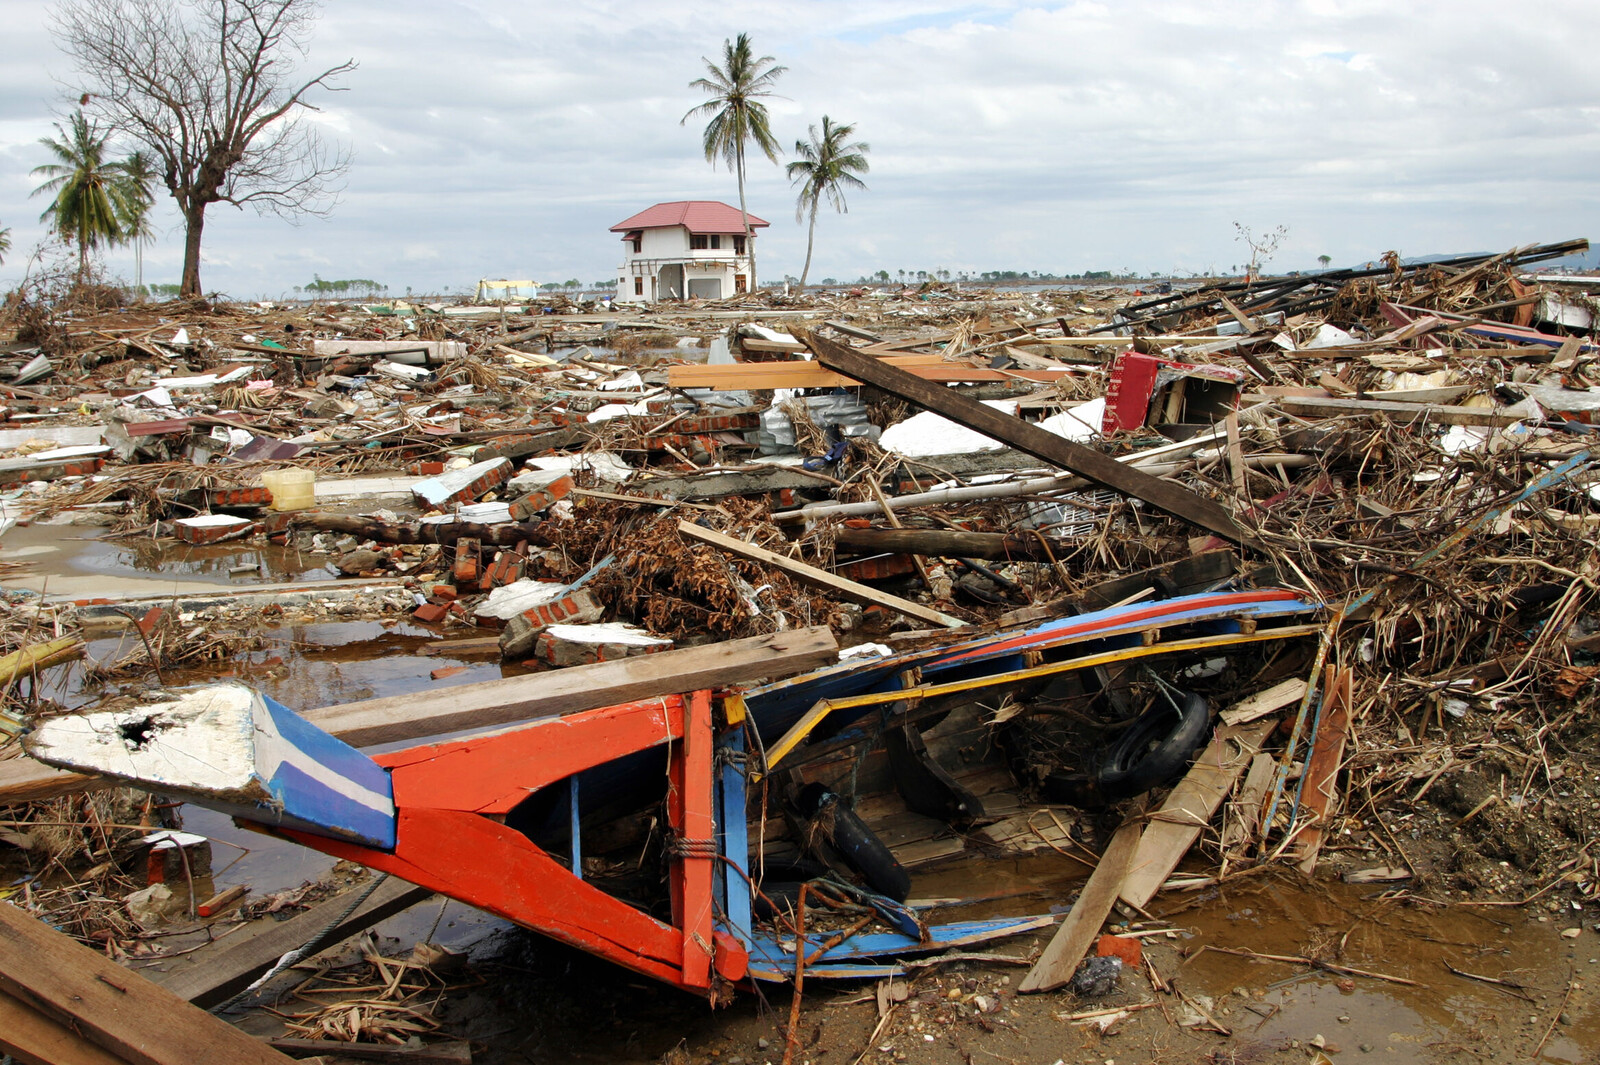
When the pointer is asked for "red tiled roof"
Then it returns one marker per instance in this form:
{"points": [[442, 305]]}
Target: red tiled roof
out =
{"points": [[697, 216]]}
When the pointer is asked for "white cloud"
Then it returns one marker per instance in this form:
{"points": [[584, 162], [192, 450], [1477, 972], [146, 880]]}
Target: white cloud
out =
{"points": [[495, 139]]}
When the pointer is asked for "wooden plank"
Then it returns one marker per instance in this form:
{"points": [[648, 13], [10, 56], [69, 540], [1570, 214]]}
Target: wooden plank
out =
{"points": [[24, 780], [1098, 467], [513, 699], [1071, 941], [1265, 702], [765, 375], [1404, 413], [115, 1008], [1188, 809], [822, 578], [1239, 830], [562, 691], [221, 971], [1320, 795], [31, 1038]]}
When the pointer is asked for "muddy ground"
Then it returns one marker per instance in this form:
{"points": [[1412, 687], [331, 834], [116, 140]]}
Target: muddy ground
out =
{"points": [[1390, 979]]}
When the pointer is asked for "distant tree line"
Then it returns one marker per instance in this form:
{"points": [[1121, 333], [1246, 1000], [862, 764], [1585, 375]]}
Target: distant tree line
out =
{"points": [[923, 276], [353, 286]]}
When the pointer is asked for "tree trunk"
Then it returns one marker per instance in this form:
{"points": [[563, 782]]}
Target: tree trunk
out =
{"points": [[83, 259], [416, 532], [194, 223], [749, 237], [944, 542], [811, 235]]}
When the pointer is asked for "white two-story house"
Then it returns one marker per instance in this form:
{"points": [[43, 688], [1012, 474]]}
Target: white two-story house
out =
{"points": [[687, 249]]}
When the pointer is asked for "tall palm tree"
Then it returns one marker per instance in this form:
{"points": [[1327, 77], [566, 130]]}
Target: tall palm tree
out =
{"points": [[5, 242], [737, 115], [92, 195], [139, 179], [827, 165]]}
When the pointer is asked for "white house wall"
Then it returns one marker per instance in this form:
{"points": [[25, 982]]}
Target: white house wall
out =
{"points": [[669, 245]]}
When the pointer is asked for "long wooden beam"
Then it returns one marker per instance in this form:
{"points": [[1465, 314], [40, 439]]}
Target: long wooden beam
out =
{"points": [[222, 970], [1077, 933], [114, 1008], [31, 1038], [1100, 468], [761, 375], [1404, 413], [861, 593], [510, 700]]}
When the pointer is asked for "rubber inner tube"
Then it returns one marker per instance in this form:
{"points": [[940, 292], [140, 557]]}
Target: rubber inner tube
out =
{"points": [[860, 848]]}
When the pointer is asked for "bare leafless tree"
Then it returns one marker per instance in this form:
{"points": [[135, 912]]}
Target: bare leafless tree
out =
{"points": [[210, 87]]}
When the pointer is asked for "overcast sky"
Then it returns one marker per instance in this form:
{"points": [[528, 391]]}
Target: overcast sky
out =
{"points": [[502, 140]]}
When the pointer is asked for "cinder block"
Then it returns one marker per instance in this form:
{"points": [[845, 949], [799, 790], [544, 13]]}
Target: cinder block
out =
{"points": [[428, 613], [210, 528], [540, 496], [522, 631], [577, 645]]}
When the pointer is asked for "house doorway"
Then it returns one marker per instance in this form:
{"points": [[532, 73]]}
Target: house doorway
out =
{"points": [[670, 283]]}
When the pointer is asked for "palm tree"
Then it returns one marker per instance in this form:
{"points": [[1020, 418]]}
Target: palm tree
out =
{"points": [[737, 115], [92, 194], [5, 242], [825, 167], [139, 176]]}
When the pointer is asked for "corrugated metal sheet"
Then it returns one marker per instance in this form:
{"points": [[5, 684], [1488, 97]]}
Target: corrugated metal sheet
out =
{"points": [[697, 216]]}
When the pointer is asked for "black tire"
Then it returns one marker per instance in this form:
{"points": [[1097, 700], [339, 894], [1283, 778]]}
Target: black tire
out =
{"points": [[1153, 750], [860, 848]]}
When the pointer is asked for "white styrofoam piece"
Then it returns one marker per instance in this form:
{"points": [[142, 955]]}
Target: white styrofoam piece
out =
{"points": [[605, 465], [927, 433], [606, 632], [509, 600], [1081, 422], [213, 521]]}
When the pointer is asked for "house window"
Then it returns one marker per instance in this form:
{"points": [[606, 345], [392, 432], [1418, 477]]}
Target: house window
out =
{"points": [[638, 286], [738, 247], [697, 242], [716, 242], [638, 245], [740, 284]]}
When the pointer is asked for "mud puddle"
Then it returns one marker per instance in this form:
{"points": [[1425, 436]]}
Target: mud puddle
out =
{"points": [[82, 562], [542, 1002]]}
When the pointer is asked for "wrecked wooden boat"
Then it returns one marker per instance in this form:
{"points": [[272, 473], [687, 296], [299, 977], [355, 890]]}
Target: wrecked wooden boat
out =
{"points": [[498, 820]]}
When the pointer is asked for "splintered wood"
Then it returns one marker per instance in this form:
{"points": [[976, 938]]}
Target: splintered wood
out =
{"points": [[1174, 827]]}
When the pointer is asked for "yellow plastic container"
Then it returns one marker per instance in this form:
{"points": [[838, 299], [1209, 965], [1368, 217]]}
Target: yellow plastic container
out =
{"points": [[291, 489]]}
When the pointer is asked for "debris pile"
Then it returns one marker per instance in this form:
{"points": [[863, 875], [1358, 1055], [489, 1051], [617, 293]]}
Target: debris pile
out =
{"points": [[1295, 569]]}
